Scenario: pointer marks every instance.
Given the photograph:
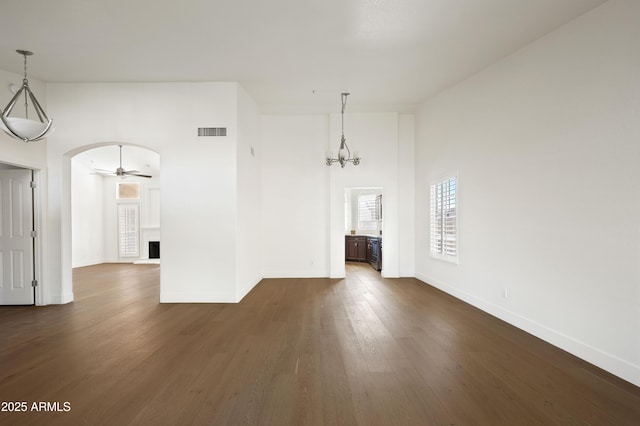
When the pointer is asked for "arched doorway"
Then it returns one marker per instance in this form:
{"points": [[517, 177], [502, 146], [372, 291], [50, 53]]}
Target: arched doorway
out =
{"points": [[114, 219]]}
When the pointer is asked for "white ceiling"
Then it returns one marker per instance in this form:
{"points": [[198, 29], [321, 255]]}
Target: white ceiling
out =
{"points": [[133, 158], [289, 54]]}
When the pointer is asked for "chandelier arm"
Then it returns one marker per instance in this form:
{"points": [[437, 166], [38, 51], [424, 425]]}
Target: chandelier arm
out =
{"points": [[12, 102], [37, 107], [9, 129], [26, 104], [44, 132]]}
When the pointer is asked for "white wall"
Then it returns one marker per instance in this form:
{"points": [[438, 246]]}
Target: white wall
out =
{"points": [[110, 223], [295, 196], [546, 144], [406, 195], [87, 208], [198, 176], [249, 217]]}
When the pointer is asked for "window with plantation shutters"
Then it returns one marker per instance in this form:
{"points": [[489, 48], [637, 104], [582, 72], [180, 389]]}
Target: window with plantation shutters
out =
{"points": [[128, 230], [444, 220], [367, 212]]}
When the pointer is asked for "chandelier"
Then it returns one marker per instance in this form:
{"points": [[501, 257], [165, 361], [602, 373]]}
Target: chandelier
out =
{"points": [[25, 129], [344, 154]]}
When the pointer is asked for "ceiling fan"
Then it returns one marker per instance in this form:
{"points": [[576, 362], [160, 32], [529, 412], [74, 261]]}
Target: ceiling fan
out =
{"points": [[120, 171]]}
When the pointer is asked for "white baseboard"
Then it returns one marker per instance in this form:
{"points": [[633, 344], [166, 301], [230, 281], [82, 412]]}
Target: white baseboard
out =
{"points": [[194, 297], [246, 290], [295, 274], [57, 299], [614, 365], [87, 263]]}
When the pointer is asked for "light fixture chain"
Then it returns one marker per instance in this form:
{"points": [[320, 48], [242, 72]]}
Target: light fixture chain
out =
{"points": [[25, 67], [25, 82], [344, 102]]}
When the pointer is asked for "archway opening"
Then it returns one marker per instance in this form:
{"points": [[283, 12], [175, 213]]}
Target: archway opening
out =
{"points": [[115, 206]]}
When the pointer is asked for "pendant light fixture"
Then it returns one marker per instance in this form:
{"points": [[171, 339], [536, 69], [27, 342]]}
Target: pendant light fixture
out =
{"points": [[344, 154], [26, 129]]}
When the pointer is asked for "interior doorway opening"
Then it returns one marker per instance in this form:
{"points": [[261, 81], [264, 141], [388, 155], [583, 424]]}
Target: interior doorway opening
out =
{"points": [[364, 225], [114, 215]]}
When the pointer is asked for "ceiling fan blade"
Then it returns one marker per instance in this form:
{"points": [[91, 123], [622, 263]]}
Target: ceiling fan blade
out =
{"points": [[137, 174], [103, 171], [120, 171]]}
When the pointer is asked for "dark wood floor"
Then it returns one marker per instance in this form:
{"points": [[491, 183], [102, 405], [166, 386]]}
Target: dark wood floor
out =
{"points": [[364, 350]]}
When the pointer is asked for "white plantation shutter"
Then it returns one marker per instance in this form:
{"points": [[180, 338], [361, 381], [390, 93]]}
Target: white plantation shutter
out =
{"points": [[128, 230], [367, 212], [444, 220]]}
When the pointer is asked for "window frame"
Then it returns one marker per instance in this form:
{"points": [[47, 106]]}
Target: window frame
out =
{"points": [[373, 221], [449, 203], [126, 239], [374, 218]]}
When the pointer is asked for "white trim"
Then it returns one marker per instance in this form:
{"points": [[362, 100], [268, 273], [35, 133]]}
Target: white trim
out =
{"points": [[241, 293], [611, 363], [302, 274], [193, 297], [39, 201], [89, 262]]}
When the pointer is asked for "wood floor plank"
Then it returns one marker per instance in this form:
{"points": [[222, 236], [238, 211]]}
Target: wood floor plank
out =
{"points": [[363, 350]]}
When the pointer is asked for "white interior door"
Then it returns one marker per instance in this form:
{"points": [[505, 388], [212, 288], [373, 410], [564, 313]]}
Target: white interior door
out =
{"points": [[16, 242]]}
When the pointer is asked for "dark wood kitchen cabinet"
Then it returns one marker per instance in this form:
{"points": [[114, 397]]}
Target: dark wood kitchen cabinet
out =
{"points": [[355, 248], [361, 248]]}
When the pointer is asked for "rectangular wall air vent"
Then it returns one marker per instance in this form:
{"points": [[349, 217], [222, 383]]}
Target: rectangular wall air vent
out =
{"points": [[212, 131]]}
